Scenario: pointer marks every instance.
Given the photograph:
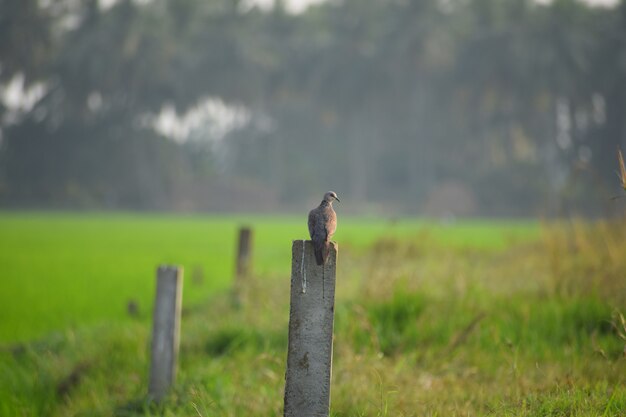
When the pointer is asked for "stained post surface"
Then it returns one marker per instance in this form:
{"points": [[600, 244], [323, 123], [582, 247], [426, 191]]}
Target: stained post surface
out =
{"points": [[244, 252], [165, 330], [311, 317]]}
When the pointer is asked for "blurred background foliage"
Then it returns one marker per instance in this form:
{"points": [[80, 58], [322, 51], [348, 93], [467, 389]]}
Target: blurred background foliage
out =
{"points": [[432, 107]]}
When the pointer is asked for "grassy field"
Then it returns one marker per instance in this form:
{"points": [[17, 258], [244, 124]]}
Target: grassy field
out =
{"points": [[500, 319], [61, 270]]}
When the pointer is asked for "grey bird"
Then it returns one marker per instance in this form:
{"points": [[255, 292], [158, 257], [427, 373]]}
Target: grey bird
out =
{"points": [[322, 226]]}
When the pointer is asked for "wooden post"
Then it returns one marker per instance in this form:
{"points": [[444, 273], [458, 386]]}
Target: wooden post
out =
{"points": [[243, 266], [311, 316], [244, 252], [166, 330]]}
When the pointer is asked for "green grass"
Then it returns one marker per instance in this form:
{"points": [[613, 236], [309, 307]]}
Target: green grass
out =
{"points": [[476, 319], [67, 270]]}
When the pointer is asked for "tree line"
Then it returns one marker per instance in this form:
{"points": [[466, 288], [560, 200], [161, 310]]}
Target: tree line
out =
{"points": [[472, 107]]}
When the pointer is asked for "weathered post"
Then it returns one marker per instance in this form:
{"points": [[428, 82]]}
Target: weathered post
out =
{"points": [[243, 265], [165, 330], [244, 252], [311, 316]]}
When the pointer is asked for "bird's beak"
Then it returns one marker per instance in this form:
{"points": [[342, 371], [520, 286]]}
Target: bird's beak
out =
{"points": [[337, 198]]}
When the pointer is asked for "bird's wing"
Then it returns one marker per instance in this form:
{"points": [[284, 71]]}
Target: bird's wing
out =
{"points": [[312, 218], [317, 225]]}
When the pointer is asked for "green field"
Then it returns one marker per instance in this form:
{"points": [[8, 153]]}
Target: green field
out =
{"points": [[61, 270], [468, 319]]}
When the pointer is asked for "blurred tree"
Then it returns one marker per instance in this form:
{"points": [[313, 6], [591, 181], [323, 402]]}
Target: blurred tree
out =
{"points": [[25, 39], [516, 104]]}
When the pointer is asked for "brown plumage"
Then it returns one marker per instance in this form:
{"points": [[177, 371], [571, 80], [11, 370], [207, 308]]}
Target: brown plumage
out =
{"points": [[322, 226]]}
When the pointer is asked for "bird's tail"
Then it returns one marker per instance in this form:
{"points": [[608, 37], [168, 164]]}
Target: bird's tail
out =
{"points": [[321, 251]]}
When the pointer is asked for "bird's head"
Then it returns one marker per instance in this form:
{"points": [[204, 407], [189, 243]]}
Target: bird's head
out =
{"points": [[331, 196]]}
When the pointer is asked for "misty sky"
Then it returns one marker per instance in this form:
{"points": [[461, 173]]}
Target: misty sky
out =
{"points": [[298, 5]]}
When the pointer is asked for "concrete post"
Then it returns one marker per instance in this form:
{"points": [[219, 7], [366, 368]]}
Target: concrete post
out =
{"points": [[244, 252], [166, 330], [311, 317]]}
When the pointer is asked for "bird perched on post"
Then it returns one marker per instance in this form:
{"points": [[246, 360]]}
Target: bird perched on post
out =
{"points": [[322, 226]]}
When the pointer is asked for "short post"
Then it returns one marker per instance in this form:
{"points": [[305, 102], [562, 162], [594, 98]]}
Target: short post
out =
{"points": [[311, 317], [244, 252], [166, 330], [243, 265]]}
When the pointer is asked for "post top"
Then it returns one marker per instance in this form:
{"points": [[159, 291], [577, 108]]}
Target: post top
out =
{"points": [[169, 268], [295, 242]]}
